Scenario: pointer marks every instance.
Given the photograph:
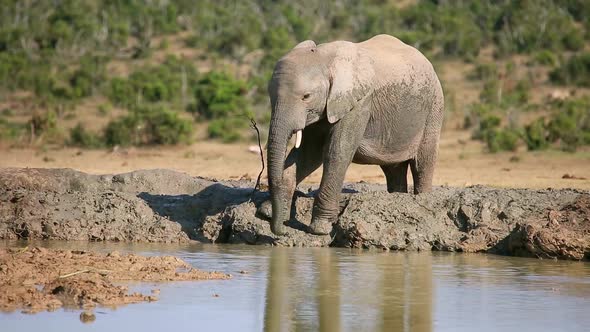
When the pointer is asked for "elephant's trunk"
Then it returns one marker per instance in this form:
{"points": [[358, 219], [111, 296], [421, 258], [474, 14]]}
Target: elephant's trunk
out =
{"points": [[278, 138]]}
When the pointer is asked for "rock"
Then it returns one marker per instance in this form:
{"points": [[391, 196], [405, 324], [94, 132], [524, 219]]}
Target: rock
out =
{"points": [[87, 317]]}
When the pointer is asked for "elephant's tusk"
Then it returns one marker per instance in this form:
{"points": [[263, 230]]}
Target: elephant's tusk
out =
{"points": [[299, 136]]}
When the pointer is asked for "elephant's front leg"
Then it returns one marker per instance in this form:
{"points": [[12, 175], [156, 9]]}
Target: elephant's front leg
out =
{"points": [[300, 163], [286, 190], [342, 144]]}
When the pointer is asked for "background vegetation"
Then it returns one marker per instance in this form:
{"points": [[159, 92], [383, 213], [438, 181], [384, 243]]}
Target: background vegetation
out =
{"points": [[106, 72]]}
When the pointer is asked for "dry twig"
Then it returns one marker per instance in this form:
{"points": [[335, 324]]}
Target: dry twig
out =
{"points": [[257, 185], [99, 271]]}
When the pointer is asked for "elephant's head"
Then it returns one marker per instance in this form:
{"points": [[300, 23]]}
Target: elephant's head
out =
{"points": [[308, 84]]}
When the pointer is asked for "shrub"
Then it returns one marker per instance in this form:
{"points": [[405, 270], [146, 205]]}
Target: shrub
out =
{"points": [[81, 137], [152, 84], [535, 135], [122, 92], [576, 70], [574, 40], [502, 139], [122, 131], [227, 129], [166, 127], [222, 99], [43, 122], [148, 125], [485, 120], [104, 109], [219, 95], [484, 72], [11, 130], [570, 124], [546, 58], [518, 27]]}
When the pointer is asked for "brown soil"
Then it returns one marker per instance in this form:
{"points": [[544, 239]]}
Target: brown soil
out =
{"points": [[462, 162], [563, 234], [39, 279], [167, 206]]}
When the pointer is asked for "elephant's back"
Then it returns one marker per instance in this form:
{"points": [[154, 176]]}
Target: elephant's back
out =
{"points": [[398, 61], [406, 89]]}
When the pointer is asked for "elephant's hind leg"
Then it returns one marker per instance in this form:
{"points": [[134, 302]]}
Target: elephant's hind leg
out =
{"points": [[423, 164], [397, 177], [423, 172]]}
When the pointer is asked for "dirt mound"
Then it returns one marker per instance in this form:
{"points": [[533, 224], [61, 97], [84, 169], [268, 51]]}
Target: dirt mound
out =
{"points": [[563, 234], [41, 279], [167, 206]]}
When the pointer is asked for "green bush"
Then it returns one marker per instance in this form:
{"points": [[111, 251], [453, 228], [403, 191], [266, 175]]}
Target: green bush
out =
{"points": [[502, 139], [166, 127], [227, 129], [221, 99], [11, 130], [574, 40], [576, 70], [518, 28], [535, 135], [81, 137], [43, 122], [122, 131], [219, 95], [104, 109], [148, 125], [122, 92], [570, 123], [545, 58], [152, 84], [487, 123], [484, 72]]}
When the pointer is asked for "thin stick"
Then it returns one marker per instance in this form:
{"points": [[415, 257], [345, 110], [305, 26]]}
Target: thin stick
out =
{"points": [[73, 274], [257, 185], [99, 271]]}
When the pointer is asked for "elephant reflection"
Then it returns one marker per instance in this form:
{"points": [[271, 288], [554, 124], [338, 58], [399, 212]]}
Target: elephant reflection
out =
{"points": [[379, 292], [286, 307]]}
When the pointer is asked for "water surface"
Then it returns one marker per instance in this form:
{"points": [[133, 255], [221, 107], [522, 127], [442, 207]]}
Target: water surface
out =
{"points": [[326, 289]]}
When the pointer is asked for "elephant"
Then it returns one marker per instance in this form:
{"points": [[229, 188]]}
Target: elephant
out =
{"points": [[375, 102]]}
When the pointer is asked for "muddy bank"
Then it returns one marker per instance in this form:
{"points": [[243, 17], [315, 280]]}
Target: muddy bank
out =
{"points": [[39, 279], [167, 206]]}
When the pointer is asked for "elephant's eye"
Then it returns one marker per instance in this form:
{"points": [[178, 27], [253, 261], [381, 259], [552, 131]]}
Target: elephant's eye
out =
{"points": [[306, 96]]}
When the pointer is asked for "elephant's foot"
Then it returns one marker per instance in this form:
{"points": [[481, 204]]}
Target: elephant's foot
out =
{"points": [[320, 226], [265, 210], [278, 228]]}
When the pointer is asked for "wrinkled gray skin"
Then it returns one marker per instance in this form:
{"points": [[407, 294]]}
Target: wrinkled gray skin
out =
{"points": [[376, 102]]}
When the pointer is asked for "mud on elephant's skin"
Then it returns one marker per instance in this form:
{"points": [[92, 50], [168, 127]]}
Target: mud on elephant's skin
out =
{"points": [[376, 102]]}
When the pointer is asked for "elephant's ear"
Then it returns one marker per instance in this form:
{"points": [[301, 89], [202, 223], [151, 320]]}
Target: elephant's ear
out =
{"points": [[305, 43], [351, 80]]}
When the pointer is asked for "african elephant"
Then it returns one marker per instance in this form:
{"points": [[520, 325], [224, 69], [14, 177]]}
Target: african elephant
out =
{"points": [[376, 102]]}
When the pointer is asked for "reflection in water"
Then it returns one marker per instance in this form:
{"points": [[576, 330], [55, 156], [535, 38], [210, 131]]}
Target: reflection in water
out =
{"points": [[393, 290], [329, 289], [407, 281], [276, 312]]}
